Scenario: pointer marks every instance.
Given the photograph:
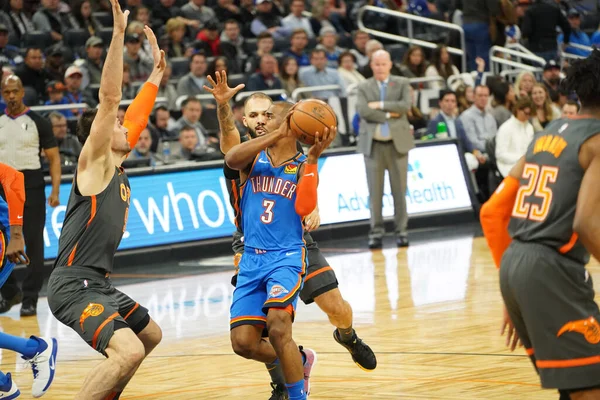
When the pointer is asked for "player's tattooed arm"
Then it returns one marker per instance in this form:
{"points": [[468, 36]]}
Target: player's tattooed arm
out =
{"points": [[230, 136]]}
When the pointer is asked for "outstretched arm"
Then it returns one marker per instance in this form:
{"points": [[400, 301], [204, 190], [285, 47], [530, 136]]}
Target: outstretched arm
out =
{"points": [[13, 184], [138, 112], [230, 136], [98, 143]]}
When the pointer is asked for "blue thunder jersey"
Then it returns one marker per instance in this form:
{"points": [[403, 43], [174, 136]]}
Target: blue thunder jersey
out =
{"points": [[269, 217], [4, 223]]}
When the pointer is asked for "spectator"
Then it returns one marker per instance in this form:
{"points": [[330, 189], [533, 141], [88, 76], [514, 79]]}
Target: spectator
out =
{"points": [[296, 21], [191, 111], [218, 64], [544, 111], [298, 42], [143, 148], [328, 42], [524, 84], [448, 115], [502, 102], [267, 21], [191, 83], [360, 39], [208, 40], [56, 93], [514, 137], [264, 46], [74, 94], [24, 133], [232, 45], [127, 88], [371, 47], [121, 113], [47, 19], [225, 10], [142, 15], [68, 145], [413, 64], [539, 27], [570, 109], [195, 10], [577, 35], [163, 124], [323, 18], [465, 97], [385, 141], [238, 116], [91, 68], [9, 55], [480, 126], [551, 79], [289, 76], [17, 22], [174, 42], [55, 64], [265, 79], [81, 17], [476, 24], [188, 142], [441, 66], [347, 69], [140, 66], [338, 12], [32, 73], [318, 75]]}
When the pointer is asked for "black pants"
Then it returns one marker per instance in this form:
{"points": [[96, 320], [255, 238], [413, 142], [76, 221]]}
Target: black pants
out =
{"points": [[34, 218]]}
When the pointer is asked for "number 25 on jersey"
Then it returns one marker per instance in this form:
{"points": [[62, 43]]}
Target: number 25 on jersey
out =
{"points": [[539, 177]]}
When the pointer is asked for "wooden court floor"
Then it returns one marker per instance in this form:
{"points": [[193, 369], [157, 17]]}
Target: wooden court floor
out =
{"points": [[431, 312]]}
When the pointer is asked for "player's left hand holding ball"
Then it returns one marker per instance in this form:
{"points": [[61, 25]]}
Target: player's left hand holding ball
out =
{"points": [[15, 251], [322, 142]]}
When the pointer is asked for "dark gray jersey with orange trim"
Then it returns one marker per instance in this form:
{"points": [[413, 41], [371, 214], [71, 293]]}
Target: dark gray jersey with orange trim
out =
{"points": [[94, 225], [544, 209]]}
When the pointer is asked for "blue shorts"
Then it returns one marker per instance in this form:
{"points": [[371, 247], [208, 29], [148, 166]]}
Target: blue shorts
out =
{"points": [[267, 279], [7, 266]]}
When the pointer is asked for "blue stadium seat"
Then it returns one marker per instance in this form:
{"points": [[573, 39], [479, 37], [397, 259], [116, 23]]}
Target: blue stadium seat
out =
{"points": [[37, 39], [180, 66]]}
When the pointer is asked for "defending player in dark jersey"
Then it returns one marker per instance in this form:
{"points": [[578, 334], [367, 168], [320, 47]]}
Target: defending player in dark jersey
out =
{"points": [[320, 285], [40, 353], [550, 205], [80, 293]]}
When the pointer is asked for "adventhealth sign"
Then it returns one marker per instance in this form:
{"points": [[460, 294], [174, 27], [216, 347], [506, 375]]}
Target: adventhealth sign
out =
{"points": [[194, 205]]}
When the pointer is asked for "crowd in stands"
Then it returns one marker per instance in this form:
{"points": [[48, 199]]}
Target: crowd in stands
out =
{"points": [[57, 49]]}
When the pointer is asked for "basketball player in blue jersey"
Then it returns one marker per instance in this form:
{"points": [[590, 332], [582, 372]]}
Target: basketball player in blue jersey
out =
{"points": [[279, 188], [321, 285], [40, 353]]}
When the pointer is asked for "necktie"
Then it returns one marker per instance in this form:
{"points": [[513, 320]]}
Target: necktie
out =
{"points": [[384, 129]]}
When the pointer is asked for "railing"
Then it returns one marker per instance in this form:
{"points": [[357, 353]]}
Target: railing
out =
{"points": [[158, 100], [427, 79], [271, 92], [60, 107], [509, 73], [496, 62], [568, 56], [410, 40], [200, 97], [308, 89]]}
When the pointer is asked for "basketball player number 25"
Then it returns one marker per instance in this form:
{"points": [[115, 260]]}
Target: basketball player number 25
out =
{"points": [[539, 177], [267, 216]]}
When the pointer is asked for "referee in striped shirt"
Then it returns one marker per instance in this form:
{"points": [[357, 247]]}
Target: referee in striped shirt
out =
{"points": [[23, 134]]}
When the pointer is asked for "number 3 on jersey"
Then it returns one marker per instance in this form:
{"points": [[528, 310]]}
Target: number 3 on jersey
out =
{"points": [[267, 216], [538, 179]]}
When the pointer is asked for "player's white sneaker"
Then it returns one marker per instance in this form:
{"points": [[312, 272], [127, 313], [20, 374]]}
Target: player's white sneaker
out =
{"points": [[11, 392], [43, 366], [309, 364]]}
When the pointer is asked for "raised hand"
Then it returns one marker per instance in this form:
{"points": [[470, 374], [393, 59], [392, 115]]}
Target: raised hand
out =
{"points": [[322, 142], [119, 17], [160, 62], [220, 89]]}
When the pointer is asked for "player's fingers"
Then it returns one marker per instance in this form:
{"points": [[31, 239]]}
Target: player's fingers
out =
{"points": [[125, 14], [211, 80], [239, 87], [218, 75], [224, 76]]}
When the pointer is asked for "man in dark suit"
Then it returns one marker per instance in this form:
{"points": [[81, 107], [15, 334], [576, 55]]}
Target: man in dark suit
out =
{"points": [[448, 115], [385, 140]]}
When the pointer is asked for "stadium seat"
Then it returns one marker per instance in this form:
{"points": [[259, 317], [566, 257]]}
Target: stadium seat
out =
{"points": [[105, 18], [75, 38], [237, 79], [106, 35], [37, 39], [180, 66], [250, 45], [396, 51]]}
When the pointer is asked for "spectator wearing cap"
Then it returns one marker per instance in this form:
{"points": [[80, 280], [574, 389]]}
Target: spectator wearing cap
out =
{"points": [[208, 40], [266, 20], [140, 66], [68, 144], [476, 24], [577, 35], [265, 78], [74, 93], [318, 75], [91, 67], [191, 83], [55, 64], [33, 76], [539, 26], [328, 41], [551, 79], [298, 43], [197, 11], [47, 19], [9, 55], [17, 22], [295, 20], [56, 94]]}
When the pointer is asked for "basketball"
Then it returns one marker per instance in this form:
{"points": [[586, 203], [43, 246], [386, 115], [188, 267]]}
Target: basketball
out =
{"points": [[309, 117]]}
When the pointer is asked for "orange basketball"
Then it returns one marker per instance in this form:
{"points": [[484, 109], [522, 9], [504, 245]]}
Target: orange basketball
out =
{"points": [[311, 116]]}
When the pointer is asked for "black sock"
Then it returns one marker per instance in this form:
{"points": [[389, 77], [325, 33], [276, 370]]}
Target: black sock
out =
{"points": [[276, 373], [346, 335]]}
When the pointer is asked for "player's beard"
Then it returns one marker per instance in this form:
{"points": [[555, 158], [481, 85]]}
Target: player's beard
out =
{"points": [[122, 149]]}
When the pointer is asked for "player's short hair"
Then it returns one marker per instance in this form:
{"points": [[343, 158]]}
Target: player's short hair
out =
{"points": [[84, 125], [583, 78], [258, 95]]}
